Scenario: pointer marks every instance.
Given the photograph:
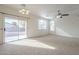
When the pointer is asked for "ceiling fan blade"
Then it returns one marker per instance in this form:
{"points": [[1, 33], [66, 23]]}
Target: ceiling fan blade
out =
{"points": [[59, 12], [60, 15], [65, 14]]}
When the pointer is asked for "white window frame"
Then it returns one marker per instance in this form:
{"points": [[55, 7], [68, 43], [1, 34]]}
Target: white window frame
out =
{"points": [[42, 24], [52, 25]]}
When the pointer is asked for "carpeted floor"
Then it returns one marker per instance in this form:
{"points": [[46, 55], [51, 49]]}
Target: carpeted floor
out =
{"points": [[47, 45]]}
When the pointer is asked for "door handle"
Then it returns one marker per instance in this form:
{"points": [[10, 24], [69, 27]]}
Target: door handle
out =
{"points": [[4, 29]]}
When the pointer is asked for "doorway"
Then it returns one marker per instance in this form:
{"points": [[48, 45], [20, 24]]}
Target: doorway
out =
{"points": [[15, 29]]}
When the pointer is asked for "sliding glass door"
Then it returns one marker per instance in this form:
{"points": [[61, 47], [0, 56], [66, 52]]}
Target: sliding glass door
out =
{"points": [[15, 29], [22, 29], [11, 29]]}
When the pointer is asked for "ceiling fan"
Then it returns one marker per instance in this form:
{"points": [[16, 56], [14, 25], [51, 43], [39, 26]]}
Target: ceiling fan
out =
{"points": [[24, 11], [60, 15]]}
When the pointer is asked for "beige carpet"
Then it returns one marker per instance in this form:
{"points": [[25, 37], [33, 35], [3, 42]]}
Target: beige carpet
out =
{"points": [[47, 45]]}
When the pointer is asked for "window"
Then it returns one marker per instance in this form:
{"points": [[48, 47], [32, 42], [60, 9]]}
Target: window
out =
{"points": [[52, 25], [42, 24]]}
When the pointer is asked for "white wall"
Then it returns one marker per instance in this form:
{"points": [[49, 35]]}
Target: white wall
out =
{"points": [[68, 26]]}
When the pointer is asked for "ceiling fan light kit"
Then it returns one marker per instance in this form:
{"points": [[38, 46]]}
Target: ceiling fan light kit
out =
{"points": [[24, 11]]}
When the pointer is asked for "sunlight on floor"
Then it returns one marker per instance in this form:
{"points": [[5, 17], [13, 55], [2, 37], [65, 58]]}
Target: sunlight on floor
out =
{"points": [[32, 43]]}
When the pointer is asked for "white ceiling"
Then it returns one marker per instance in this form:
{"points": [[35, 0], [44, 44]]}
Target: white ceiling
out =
{"points": [[47, 9]]}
